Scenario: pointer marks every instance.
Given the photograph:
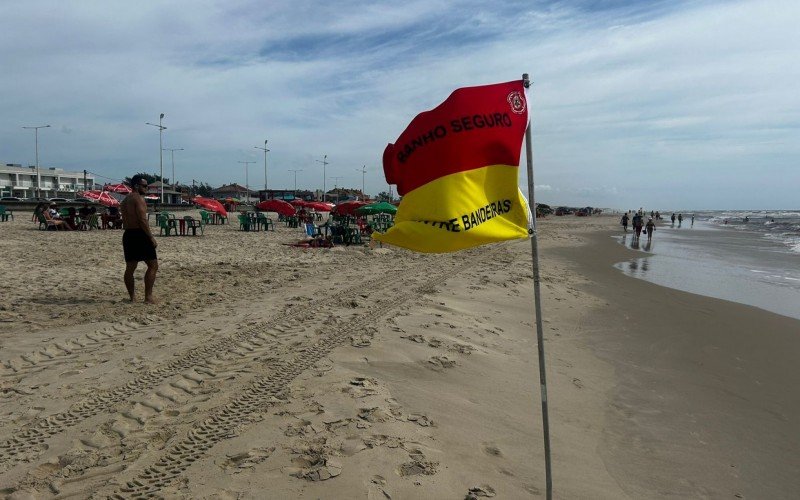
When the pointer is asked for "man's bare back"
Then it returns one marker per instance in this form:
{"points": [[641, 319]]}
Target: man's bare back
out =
{"points": [[138, 242]]}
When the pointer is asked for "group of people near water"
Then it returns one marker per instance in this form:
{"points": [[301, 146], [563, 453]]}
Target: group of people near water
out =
{"points": [[639, 226]]}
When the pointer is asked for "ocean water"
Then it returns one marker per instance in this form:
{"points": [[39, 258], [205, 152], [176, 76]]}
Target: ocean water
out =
{"points": [[747, 257]]}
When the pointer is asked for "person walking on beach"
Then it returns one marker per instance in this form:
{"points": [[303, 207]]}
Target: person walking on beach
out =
{"points": [[138, 243], [638, 223], [649, 228], [692, 220], [673, 219], [680, 219], [624, 222]]}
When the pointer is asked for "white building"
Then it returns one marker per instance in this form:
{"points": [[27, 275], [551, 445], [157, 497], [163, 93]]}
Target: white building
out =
{"points": [[19, 181]]}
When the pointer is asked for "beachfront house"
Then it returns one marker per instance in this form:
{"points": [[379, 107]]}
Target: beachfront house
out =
{"points": [[234, 191], [19, 181], [339, 195], [171, 195], [284, 194]]}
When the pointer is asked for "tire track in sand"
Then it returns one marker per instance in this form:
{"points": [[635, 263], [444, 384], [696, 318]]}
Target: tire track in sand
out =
{"points": [[261, 394], [30, 441]]}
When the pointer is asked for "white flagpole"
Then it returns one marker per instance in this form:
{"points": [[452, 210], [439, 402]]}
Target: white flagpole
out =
{"points": [[537, 301]]}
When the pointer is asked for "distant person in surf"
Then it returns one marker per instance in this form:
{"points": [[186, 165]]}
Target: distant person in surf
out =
{"points": [[649, 228], [638, 224], [624, 222], [673, 219], [680, 219], [692, 220]]}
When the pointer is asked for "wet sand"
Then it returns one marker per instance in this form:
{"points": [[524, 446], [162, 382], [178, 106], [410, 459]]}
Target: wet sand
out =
{"points": [[280, 372]]}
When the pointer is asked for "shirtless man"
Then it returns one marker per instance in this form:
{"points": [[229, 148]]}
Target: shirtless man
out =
{"points": [[138, 242]]}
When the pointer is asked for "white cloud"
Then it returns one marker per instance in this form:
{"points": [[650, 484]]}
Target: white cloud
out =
{"points": [[670, 99]]}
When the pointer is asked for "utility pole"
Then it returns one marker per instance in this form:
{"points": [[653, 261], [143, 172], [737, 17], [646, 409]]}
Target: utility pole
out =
{"points": [[84, 179], [247, 178], [172, 153], [161, 129], [363, 171], [295, 180], [38, 178], [194, 189], [265, 165], [324, 164]]}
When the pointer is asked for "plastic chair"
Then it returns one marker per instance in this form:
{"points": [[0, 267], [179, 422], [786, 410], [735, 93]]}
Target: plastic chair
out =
{"points": [[45, 224], [244, 223], [204, 217], [5, 214], [94, 221], [193, 224], [165, 225]]}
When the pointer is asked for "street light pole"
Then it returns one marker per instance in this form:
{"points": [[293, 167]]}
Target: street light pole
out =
{"points": [[161, 129], [324, 164], [38, 179], [363, 171], [172, 153], [265, 165], [295, 180], [247, 178]]}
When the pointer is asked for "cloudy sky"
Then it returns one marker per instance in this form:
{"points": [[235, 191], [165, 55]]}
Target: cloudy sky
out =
{"points": [[664, 104]]}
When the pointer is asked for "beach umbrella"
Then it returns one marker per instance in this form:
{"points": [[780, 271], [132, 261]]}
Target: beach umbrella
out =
{"points": [[102, 197], [151, 197], [210, 204], [348, 207], [319, 206], [280, 206], [381, 207], [117, 188], [297, 202]]}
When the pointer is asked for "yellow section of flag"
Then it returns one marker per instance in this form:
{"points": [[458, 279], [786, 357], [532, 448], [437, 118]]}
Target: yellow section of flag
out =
{"points": [[461, 210]]}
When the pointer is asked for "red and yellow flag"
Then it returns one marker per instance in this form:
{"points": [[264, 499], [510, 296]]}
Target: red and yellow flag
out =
{"points": [[456, 167]]}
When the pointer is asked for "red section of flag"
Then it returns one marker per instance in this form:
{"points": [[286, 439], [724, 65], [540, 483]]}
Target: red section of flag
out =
{"points": [[475, 127]]}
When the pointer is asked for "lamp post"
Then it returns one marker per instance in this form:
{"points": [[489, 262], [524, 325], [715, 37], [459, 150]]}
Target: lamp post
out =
{"points": [[161, 129], [324, 164], [265, 165], [247, 179], [38, 179], [172, 154], [363, 171], [295, 180]]}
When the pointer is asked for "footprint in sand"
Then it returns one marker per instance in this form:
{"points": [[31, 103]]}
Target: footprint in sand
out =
{"points": [[441, 362], [420, 420], [434, 342], [493, 450], [375, 414], [483, 490], [419, 339], [578, 383], [360, 341], [236, 462]]}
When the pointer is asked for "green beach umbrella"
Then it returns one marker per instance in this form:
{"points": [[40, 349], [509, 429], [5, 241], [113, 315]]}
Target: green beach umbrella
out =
{"points": [[381, 207]]}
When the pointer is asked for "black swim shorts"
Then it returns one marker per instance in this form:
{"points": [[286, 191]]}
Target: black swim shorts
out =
{"points": [[137, 246]]}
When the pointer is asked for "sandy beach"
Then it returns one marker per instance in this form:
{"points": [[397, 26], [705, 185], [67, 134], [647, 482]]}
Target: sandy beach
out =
{"points": [[270, 371]]}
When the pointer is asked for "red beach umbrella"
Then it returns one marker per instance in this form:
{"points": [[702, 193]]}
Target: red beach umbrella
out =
{"points": [[348, 207], [101, 197], [210, 204], [319, 206], [117, 188], [280, 206], [297, 202]]}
